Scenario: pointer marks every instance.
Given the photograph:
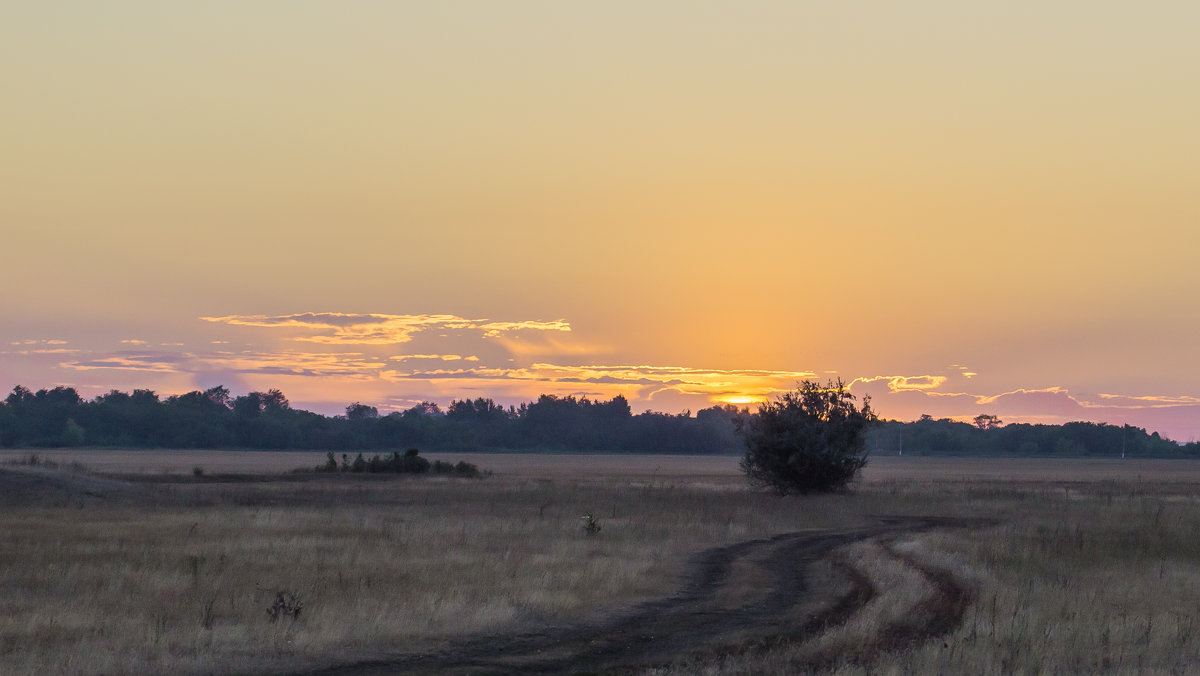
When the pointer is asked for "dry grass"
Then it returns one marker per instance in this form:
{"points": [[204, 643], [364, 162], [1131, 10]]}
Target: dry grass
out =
{"points": [[179, 581], [1095, 578], [1095, 575]]}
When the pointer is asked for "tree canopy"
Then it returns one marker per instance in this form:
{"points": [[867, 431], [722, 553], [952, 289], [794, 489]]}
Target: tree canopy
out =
{"points": [[214, 418], [813, 439]]}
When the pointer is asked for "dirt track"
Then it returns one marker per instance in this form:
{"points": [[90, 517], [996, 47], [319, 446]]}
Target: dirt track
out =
{"points": [[700, 618]]}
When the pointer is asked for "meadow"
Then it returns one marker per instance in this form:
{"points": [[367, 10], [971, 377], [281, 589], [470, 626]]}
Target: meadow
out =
{"points": [[142, 564]]}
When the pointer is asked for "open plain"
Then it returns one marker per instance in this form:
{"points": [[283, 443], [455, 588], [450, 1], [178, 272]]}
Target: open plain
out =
{"points": [[225, 562]]}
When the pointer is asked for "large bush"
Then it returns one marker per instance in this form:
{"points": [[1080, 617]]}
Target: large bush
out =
{"points": [[813, 439]]}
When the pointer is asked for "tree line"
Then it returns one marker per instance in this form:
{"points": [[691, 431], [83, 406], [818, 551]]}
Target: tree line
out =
{"points": [[213, 418], [988, 436]]}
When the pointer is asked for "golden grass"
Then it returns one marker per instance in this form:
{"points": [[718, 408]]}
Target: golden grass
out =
{"points": [[379, 566], [1103, 578], [1097, 574]]}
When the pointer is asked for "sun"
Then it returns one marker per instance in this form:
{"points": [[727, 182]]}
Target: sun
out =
{"points": [[739, 399]]}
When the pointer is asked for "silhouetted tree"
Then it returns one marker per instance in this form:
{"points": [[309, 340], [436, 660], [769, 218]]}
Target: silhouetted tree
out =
{"points": [[813, 439], [358, 411], [987, 422]]}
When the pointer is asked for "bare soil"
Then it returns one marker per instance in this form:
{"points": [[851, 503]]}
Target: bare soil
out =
{"points": [[694, 621]]}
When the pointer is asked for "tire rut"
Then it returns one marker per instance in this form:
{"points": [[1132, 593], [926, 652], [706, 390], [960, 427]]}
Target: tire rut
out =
{"points": [[691, 621]]}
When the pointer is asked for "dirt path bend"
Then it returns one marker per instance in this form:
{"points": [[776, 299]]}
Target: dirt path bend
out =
{"points": [[701, 617]]}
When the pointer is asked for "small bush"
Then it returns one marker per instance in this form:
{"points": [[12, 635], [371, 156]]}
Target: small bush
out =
{"points": [[286, 604], [591, 525], [330, 464], [207, 617], [409, 462]]}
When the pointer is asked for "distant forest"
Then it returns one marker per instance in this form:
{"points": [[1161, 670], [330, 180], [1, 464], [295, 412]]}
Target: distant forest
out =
{"points": [[214, 419]]}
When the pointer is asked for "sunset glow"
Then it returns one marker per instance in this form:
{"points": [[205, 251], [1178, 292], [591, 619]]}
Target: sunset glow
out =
{"points": [[740, 399], [956, 209]]}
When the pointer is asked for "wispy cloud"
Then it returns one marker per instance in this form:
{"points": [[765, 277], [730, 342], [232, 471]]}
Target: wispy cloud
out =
{"points": [[448, 356], [985, 400], [343, 364], [964, 371], [1127, 401], [434, 357], [550, 344], [905, 383], [317, 364], [1178, 416], [336, 328], [152, 362], [637, 381]]}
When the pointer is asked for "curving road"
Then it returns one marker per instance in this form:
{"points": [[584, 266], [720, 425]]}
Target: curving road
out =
{"points": [[698, 619]]}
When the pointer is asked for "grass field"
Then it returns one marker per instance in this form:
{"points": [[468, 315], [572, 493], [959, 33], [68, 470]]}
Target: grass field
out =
{"points": [[1088, 566]]}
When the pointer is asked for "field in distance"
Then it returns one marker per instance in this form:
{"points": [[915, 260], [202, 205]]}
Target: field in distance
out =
{"points": [[926, 565], [879, 468]]}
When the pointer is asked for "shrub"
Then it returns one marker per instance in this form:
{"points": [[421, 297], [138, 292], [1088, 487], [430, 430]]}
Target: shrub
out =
{"points": [[286, 604], [813, 439], [591, 525], [410, 462], [330, 464]]}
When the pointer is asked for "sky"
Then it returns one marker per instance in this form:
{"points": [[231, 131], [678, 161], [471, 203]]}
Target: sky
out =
{"points": [[958, 208]]}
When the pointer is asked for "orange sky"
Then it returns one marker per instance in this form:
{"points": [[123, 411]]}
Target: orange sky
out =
{"points": [[680, 202]]}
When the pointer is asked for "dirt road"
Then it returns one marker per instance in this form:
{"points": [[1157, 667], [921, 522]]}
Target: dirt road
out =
{"points": [[706, 615]]}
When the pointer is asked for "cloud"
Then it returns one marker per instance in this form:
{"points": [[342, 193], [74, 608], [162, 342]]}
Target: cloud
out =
{"points": [[905, 383], [133, 341], [336, 328], [1126, 401], [440, 357], [345, 364], [1040, 394], [1177, 416], [634, 381], [550, 344], [153, 362], [1029, 404], [317, 364], [439, 376]]}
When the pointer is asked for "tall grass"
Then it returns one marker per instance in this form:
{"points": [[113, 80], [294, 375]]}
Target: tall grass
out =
{"points": [[181, 581], [1085, 578], [1097, 576]]}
